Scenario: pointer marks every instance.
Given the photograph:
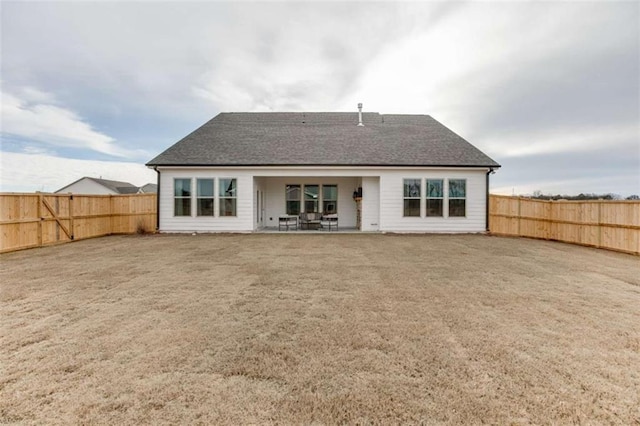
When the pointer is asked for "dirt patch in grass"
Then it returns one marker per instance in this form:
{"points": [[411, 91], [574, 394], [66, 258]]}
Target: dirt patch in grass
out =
{"points": [[236, 329]]}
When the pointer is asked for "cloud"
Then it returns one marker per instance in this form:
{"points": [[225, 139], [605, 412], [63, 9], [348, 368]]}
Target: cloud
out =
{"points": [[564, 140], [527, 82], [317, 62], [22, 172], [35, 117]]}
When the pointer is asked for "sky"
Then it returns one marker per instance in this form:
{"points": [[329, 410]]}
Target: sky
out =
{"points": [[550, 90]]}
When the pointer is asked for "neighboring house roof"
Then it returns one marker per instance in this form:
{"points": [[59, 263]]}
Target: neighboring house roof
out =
{"points": [[113, 185], [150, 188], [322, 139]]}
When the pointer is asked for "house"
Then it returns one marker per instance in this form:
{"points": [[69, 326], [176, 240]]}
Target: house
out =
{"points": [[240, 172], [150, 188], [90, 185]]}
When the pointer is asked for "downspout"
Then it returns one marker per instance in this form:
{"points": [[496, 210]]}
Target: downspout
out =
{"points": [[158, 201], [487, 200]]}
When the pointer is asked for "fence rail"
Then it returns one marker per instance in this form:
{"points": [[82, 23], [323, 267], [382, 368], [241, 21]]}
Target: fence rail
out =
{"points": [[613, 225], [39, 219]]}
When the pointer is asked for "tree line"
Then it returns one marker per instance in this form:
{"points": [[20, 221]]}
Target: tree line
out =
{"points": [[591, 196]]}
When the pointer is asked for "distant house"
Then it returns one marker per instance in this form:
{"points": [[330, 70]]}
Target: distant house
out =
{"points": [[95, 186], [395, 173], [150, 188]]}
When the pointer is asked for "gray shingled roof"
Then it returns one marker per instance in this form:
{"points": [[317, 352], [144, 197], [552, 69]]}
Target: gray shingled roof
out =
{"points": [[323, 139], [114, 185], [150, 188]]}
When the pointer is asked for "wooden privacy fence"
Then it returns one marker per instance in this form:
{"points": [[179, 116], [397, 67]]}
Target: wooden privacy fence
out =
{"points": [[613, 225], [39, 219]]}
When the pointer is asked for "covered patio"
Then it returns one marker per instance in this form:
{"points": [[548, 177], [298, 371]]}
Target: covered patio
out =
{"points": [[307, 203]]}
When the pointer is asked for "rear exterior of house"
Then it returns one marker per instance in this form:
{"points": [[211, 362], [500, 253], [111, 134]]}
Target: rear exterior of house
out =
{"points": [[241, 172]]}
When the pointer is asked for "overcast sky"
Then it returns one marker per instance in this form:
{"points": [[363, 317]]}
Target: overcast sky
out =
{"points": [[549, 90]]}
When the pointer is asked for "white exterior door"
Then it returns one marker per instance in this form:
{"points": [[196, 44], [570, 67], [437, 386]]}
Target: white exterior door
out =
{"points": [[370, 203]]}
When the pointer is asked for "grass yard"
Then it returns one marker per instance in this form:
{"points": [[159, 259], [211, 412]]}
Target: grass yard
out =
{"points": [[324, 329]]}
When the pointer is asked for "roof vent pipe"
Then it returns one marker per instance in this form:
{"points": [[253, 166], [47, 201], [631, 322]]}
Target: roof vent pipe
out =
{"points": [[360, 115]]}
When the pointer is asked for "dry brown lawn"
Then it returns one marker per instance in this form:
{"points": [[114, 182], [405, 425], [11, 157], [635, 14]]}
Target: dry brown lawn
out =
{"points": [[319, 329]]}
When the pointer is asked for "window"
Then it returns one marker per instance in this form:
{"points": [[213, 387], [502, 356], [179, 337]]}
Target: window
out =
{"points": [[204, 193], [457, 197], [292, 198], [311, 198], [182, 197], [329, 199], [434, 197], [412, 197], [228, 197]]}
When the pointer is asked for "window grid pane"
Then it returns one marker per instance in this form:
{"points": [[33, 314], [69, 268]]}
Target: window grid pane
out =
{"points": [[412, 208], [293, 192], [457, 188], [182, 187], [293, 207], [412, 188], [182, 207], [205, 206], [434, 207], [227, 188], [434, 188], [205, 187], [227, 207], [457, 208]]}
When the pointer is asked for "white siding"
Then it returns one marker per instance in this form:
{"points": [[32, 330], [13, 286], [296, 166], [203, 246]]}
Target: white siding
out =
{"points": [[381, 187], [370, 203], [391, 202]]}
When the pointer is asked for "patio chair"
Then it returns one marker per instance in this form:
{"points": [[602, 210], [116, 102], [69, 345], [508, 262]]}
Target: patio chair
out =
{"points": [[329, 221], [287, 222]]}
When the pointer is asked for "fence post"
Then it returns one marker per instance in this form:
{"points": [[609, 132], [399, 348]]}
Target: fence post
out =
{"points": [[519, 214], [110, 214], [599, 223], [71, 226], [40, 218]]}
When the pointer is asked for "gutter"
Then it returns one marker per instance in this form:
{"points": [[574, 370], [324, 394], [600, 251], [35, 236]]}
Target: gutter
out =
{"points": [[490, 172], [157, 201], [302, 165]]}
